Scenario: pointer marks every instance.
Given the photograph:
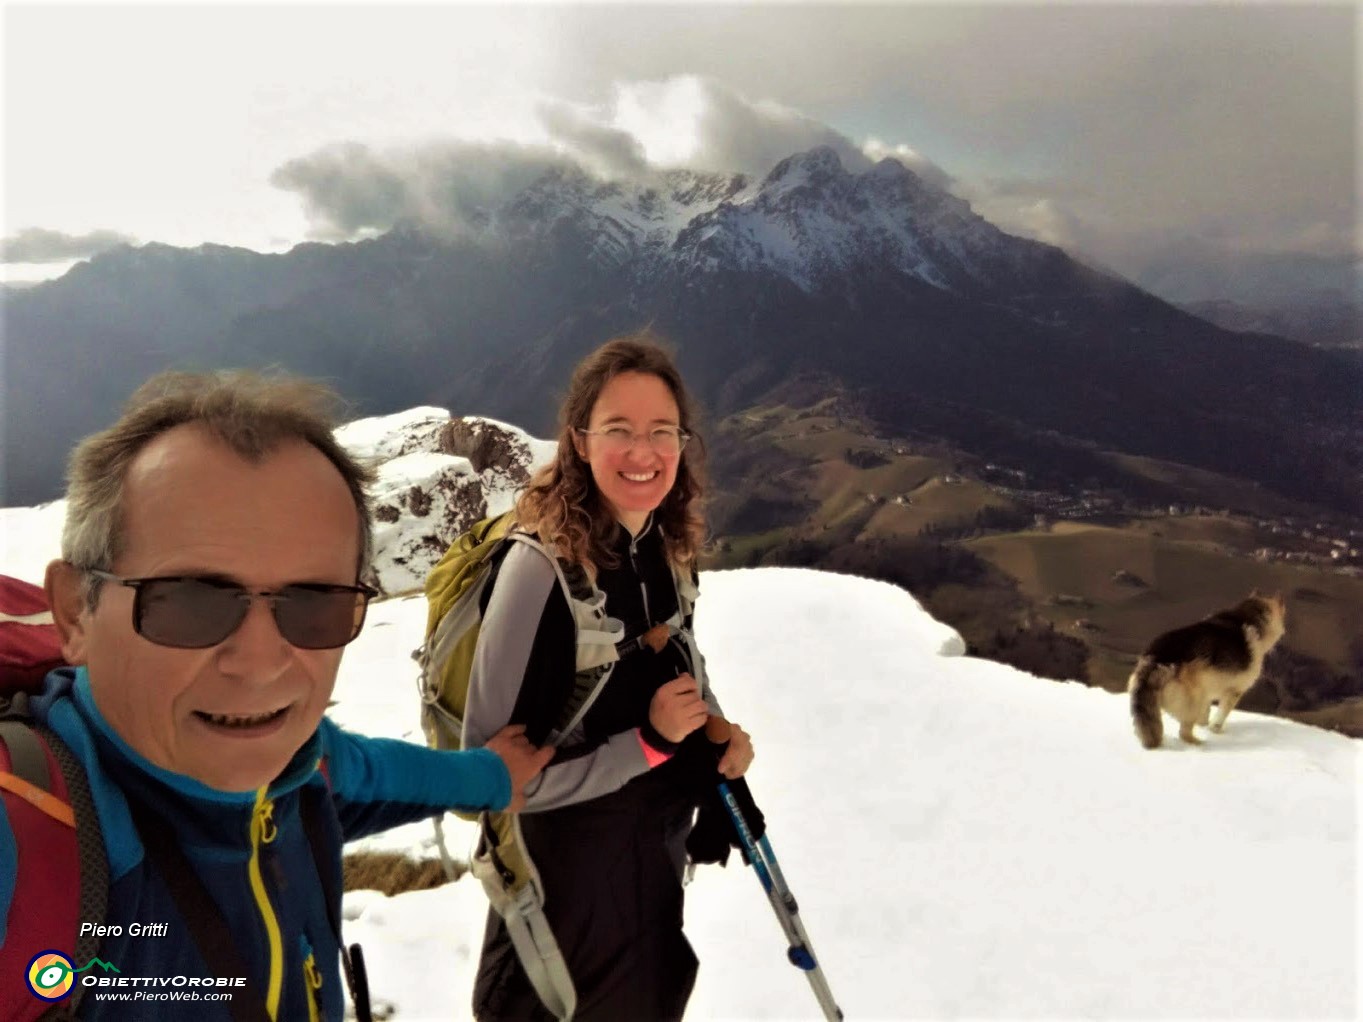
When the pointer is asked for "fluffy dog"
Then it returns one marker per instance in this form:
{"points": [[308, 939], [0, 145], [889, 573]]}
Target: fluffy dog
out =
{"points": [[1216, 660]]}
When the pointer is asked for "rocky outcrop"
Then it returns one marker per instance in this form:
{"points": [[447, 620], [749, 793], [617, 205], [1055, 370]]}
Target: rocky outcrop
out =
{"points": [[421, 501], [488, 445], [437, 475]]}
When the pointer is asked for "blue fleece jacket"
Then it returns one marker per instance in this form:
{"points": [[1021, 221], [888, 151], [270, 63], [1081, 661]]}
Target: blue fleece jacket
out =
{"points": [[250, 850]]}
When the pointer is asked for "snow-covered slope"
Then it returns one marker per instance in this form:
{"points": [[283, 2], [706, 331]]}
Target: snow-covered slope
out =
{"points": [[965, 841], [625, 220]]}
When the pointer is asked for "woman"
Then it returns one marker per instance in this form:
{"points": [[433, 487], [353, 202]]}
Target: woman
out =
{"points": [[607, 825]]}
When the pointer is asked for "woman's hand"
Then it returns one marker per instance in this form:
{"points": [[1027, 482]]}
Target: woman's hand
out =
{"points": [[677, 708], [738, 756]]}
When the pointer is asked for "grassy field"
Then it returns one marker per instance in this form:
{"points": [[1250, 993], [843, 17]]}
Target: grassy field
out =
{"points": [[1166, 582], [1198, 486]]}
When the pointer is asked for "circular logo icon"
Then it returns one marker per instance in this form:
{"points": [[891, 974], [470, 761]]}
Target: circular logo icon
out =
{"points": [[51, 976]]}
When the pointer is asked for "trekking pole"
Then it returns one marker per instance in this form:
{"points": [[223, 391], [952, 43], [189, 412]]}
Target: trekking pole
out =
{"points": [[763, 860]]}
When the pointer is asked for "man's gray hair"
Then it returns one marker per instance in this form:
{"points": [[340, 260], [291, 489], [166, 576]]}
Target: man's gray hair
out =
{"points": [[252, 413]]}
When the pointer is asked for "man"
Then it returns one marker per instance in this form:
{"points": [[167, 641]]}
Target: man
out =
{"points": [[211, 556]]}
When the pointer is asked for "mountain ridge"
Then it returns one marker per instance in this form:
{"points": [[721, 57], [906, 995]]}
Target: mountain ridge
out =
{"points": [[877, 277]]}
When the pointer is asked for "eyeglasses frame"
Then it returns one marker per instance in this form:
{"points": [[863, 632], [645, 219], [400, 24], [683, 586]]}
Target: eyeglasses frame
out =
{"points": [[683, 436], [135, 584]]}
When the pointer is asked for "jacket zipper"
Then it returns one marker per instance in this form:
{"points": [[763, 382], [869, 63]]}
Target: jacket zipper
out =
{"points": [[634, 563], [263, 832], [312, 978]]}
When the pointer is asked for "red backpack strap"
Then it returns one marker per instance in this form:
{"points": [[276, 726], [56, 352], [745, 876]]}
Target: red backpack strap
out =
{"points": [[57, 838], [29, 644]]}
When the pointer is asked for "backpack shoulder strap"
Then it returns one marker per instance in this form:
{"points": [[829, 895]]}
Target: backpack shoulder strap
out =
{"points": [[597, 637], [587, 603], [316, 808], [27, 758], [57, 835]]}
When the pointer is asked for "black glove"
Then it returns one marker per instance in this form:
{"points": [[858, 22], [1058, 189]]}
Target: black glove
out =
{"points": [[714, 833], [710, 838]]}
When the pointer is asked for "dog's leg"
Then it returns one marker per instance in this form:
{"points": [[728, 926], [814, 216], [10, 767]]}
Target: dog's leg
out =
{"points": [[1185, 731], [1223, 709]]}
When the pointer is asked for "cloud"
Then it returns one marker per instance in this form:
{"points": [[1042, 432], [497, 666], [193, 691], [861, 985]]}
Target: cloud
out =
{"points": [[1048, 210], [875, 150], [1049, 221], [698, 123], [608, 151], [1228, 119], [1105, 128], [40, 245], [348, 188]]}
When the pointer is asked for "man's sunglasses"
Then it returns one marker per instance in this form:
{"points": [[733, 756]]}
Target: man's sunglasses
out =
{"points": [[195, 612]]}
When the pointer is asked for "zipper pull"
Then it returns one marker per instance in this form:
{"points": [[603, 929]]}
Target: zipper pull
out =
{"points": [[263, 820], [312, 979]]}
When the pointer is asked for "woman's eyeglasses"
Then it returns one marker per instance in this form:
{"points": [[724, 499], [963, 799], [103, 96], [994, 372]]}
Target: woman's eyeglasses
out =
{"points": [[195, 611], [665, 440]]}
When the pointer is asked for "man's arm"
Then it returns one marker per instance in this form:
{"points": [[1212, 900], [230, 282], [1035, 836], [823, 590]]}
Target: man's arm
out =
{"points": [[379, 783]]}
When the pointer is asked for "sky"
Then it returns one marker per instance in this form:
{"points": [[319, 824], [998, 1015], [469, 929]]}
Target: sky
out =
{"points": [[964, 841], [1129, 133]]}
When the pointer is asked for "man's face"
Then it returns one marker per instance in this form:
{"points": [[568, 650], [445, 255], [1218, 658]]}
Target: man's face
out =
{"points": [[234, 714]]}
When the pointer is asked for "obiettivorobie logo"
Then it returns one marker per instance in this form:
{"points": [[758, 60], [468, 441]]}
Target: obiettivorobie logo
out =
{"points": [[51, 975]]}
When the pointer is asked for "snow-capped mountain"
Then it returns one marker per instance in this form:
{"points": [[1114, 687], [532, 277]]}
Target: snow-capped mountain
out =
{"points": [[808, 220], [811, 219], [625, 221], [878, 279]]}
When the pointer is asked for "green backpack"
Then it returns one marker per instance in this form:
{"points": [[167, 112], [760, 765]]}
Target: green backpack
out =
{"points": [[454, 591]]}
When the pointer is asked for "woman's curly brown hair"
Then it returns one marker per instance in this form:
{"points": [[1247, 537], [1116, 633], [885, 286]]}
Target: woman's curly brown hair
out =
{"points": [[562, 504]]}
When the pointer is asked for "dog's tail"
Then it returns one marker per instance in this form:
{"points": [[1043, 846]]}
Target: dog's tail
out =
{"points": [[1145, 684]]}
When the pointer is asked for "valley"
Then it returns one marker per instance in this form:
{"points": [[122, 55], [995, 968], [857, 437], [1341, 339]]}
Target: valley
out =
{"points": [[1069, 581]]}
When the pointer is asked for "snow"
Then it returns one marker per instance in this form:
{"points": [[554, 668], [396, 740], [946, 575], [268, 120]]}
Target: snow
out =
{"points": [[809, 216], [646, 213], [398, 547], [964, 840], [385, 436]]}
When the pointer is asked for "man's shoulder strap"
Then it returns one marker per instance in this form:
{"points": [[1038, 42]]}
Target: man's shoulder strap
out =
{"points": [[57, 838], [318, 811]]}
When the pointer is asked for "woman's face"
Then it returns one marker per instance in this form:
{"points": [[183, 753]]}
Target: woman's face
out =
{"points": [[633, 474]]}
